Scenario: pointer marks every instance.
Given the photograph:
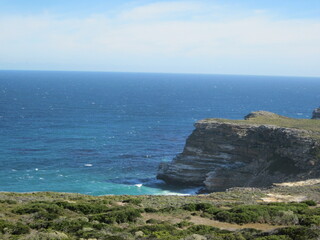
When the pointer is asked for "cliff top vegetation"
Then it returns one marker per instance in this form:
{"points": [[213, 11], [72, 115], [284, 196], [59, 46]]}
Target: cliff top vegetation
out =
{"points": [[311, 127]]}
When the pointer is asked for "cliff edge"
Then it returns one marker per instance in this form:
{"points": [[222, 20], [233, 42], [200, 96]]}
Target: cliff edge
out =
{"points": [[263, 149], [316, 113]]}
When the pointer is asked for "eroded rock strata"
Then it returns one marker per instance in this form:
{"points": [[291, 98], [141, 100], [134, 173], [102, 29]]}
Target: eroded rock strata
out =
{"points": [[255, 152]]}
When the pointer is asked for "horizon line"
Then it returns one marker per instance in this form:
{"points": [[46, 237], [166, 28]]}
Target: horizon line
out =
{"points": [[177, 73]]}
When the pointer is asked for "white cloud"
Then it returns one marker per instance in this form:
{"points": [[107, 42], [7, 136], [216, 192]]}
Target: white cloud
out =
{"points": [[160, 10], [248, 45]]}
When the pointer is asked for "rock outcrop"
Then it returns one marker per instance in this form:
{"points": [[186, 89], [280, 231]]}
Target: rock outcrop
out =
{"points": [[316, 113], [255, 152]]}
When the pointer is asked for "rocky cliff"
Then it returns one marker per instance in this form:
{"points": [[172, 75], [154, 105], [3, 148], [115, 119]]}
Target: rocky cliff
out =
{"points": [[316, 113], [263, 149]]}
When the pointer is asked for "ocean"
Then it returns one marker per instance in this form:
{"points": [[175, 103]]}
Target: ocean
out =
{"points": [[106, 133]]}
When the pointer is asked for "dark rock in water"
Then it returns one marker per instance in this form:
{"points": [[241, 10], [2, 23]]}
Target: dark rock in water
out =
{"points": [[316, 113], [263, 149]]}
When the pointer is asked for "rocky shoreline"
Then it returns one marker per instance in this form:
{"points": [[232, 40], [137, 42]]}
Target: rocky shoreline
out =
{"points": [[263, 149]]}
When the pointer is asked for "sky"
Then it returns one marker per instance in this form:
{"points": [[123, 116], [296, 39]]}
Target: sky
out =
{"points": [[251, 37]]}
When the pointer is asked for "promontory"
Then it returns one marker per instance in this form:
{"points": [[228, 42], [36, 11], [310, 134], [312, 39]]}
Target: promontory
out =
{"points": [[262, 149]]}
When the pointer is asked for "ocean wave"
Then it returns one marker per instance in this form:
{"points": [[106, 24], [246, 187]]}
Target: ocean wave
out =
{"points": [[153, 183]]}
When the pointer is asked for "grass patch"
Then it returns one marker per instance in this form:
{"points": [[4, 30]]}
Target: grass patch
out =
{"points": [[311, 125]]}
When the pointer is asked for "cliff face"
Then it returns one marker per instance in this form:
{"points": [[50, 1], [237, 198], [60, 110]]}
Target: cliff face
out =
{"points": [[221, 154], [316, 113]]}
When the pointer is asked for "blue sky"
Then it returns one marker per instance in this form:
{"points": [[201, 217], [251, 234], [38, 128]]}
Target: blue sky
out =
{"points": [[261, 37]]}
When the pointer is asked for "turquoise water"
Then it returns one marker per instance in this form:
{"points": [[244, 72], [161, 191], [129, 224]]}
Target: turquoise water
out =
{"points": [[106, 133]]}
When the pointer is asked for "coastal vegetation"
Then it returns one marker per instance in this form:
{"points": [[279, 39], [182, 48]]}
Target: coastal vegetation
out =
{"points": [[311, 126], [237, 214]]}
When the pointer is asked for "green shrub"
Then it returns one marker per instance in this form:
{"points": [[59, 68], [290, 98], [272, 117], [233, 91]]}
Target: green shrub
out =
{"points": [[168, 209], [84, 207], [119, 216], [277, 237], [239, 217], [114, 238], [163, 231], [300, 233], [20, 228], [310, 212], [47, 236], [250, 233], [5, 226], [203, 229], [153, 221], [190, 207], [183, 224], [166, 235], [285, 218], [8, 201], [204, 207], [16, 229], [150, 210], [40, 224], [148, 229], [271, 213], [134, 201], [38, 207], [310, 203], [309, 220], [70, 225], [232, 236], [90, 234]]}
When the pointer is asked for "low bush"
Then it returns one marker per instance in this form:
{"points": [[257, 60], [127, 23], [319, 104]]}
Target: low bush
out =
{"points": [[84, 207], [204, 207], [40, 224], [134, 201], [300, 233], [8, 201], [148, 229], [19, 228], [309, 220], [162, 231], [153, 221], [150, 210], [168, 209], [310, 203], [183, 224], [278, 237], [70, 225], [118, 216], [272, 213], [13, 228], [204, 229], [5, 226], [38, 207], [48, 235]]}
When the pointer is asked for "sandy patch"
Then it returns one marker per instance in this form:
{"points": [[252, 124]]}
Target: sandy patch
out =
{"points": [[272, 197], [298, 184], [230, 226], [205, 221]]}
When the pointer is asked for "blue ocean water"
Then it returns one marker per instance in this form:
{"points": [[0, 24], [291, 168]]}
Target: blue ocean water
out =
{"points": [[106, 133]]}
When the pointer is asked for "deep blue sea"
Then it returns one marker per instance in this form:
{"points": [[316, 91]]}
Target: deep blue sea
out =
{"points": [[106, 133]]}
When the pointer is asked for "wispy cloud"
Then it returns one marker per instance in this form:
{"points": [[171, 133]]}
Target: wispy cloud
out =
{"points": [[150, 38], [161, 10]]}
